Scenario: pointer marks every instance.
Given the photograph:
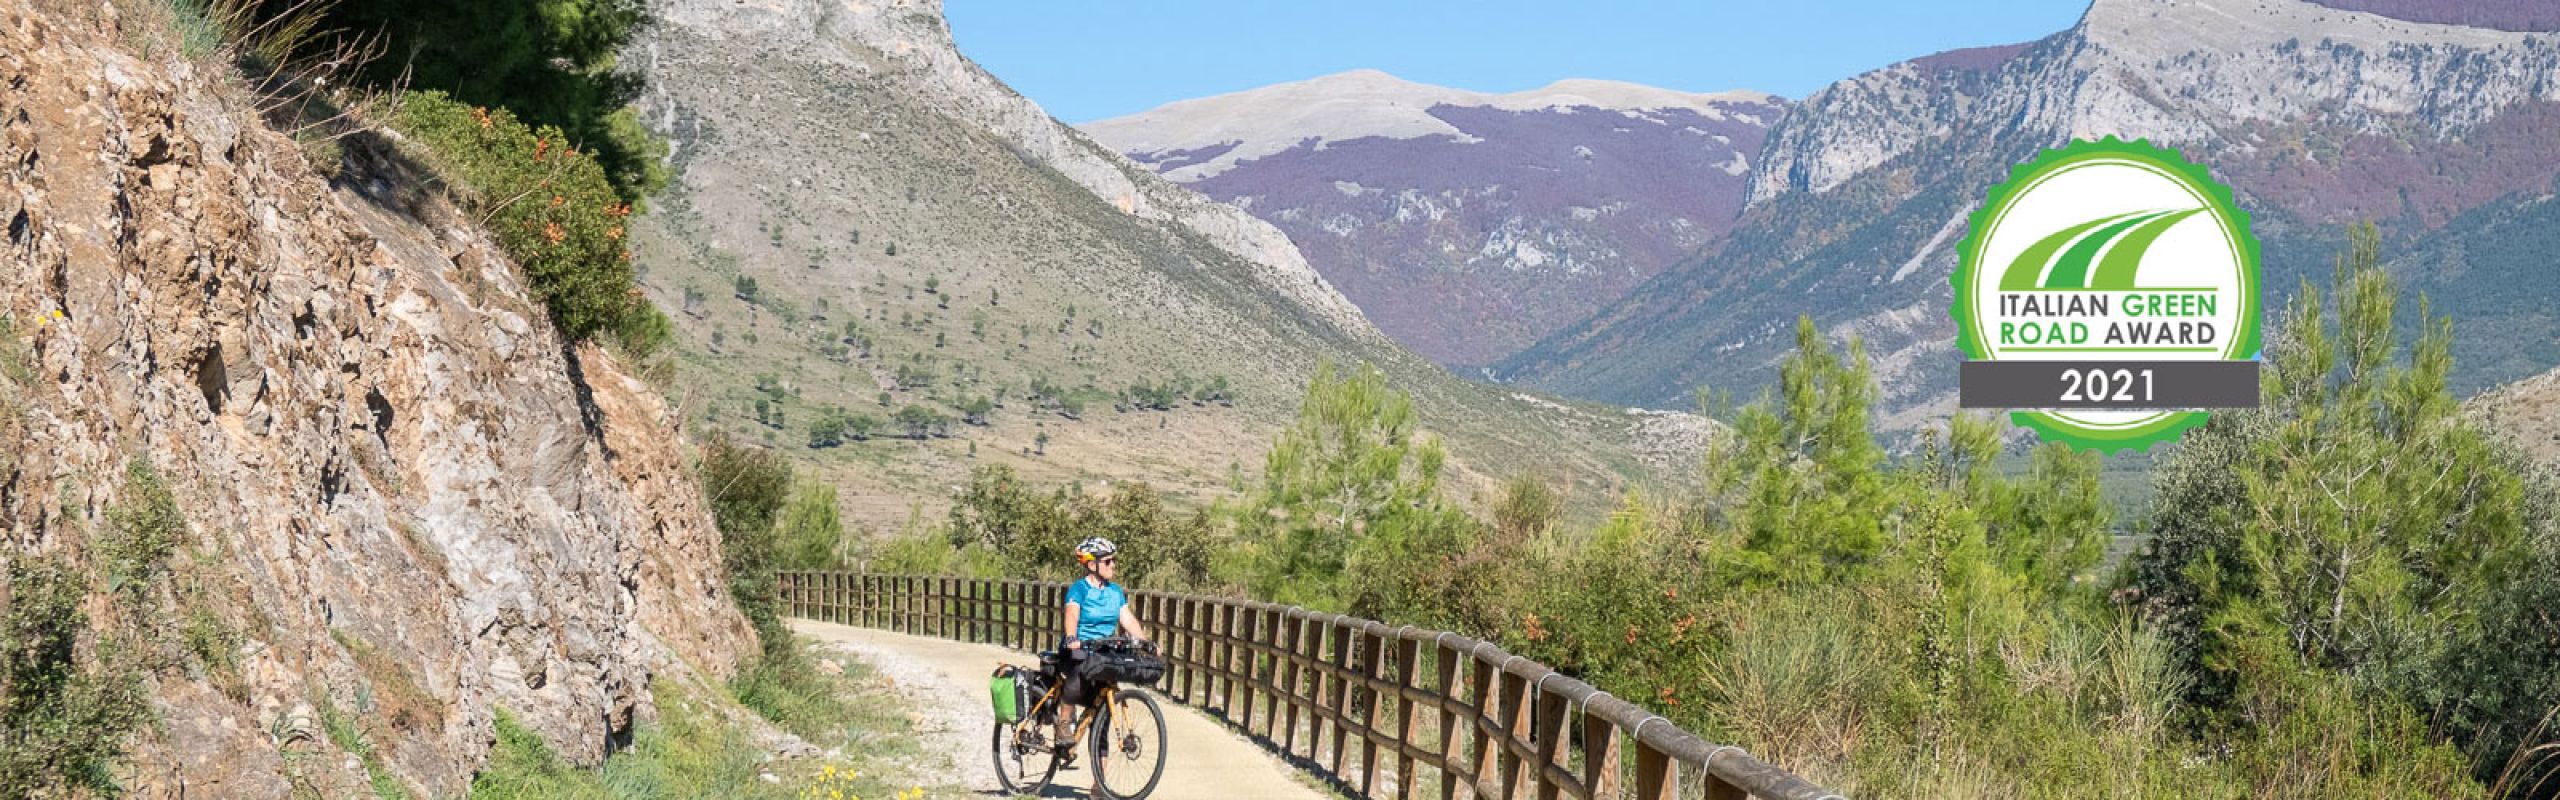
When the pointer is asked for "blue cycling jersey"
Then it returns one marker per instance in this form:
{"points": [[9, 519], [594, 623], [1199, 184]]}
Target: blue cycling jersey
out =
{"points": [[1097, 608]]}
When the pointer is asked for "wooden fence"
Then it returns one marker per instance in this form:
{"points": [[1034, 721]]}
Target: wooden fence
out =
{"points": [[1383, 710]]}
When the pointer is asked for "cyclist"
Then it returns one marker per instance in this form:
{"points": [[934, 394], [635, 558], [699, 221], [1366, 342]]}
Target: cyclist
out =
{"points": [[1097, 608]]}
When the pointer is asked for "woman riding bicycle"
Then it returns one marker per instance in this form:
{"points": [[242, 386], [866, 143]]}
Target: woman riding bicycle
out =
{"points": [[1097, 608]]}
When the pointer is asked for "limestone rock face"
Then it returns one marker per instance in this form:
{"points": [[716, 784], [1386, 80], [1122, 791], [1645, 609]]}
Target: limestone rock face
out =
{"points": [[412, 501], [2181, 72]]}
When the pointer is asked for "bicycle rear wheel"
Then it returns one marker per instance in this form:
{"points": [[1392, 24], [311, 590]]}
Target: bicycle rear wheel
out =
{"points": [[1025, 758], [1128, 746]]}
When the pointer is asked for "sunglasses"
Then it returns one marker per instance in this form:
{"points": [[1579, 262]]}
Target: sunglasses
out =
{"points": [[1107, 560]]}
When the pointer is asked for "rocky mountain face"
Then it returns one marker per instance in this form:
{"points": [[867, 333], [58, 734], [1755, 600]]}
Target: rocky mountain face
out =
{"points": [[2315, 114], [865, 223], [2528, 411], [406, 502], [1467, 224]]}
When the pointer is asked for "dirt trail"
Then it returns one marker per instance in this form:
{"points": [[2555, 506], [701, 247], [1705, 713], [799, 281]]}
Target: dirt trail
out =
{"points": [[946, 681]]}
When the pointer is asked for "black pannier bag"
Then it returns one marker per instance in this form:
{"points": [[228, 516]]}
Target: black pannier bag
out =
{"points": [[1122, 665]]}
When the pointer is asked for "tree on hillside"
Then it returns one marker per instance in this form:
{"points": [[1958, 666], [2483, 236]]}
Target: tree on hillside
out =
{"points": [[919, 422], [1800, 478], [1348, 515], [2360, 523]]}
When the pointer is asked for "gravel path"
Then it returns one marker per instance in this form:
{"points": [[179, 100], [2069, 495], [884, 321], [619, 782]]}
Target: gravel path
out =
{"points": [[945, 684]]}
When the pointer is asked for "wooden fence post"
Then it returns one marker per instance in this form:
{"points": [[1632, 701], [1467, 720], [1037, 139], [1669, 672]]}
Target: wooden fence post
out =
{"points": [[1515, 724], [1227, 657], [1188, 611], [1344, 649], [1407, 650], [1267, 669], [1248, 637], [1319, 702], [1293, 631], [1657, 776], [1483, 750], [1444, 668], [1599, 756], [1372, 658], [1550, 732]]}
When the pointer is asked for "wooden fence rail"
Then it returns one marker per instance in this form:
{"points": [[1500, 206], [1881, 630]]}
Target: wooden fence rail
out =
{"points": [[1384, 710]]}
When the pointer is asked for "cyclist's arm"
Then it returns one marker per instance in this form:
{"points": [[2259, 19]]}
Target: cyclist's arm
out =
{"points": [[1129, 624], [1074, 612]]}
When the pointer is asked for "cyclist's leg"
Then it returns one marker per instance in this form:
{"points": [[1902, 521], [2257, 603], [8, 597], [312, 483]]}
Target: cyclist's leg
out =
{"points": [[1071, 692]]}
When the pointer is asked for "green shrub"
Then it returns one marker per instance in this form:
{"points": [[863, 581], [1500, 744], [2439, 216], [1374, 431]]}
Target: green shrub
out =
{"points": [[746, 488], [64, 713], [143, 530], [1348, 516], [2360, 526], [549, 205], [1027, 531], [551, 61], [812, 533]]}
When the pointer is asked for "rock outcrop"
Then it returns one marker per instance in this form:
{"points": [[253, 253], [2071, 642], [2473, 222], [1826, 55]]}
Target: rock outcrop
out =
{"points": [[407, 497]]}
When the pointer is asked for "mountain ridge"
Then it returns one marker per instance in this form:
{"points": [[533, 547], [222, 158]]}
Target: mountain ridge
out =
{"points": [[864, 223], [2317, 116], [1467, 224]]}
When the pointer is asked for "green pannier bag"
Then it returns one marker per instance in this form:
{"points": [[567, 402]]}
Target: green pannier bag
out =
{"points": [[1000, 689]]}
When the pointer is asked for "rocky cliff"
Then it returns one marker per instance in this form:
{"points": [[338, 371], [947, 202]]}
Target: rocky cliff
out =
{"points": [[2316, 115], [407, 502]]}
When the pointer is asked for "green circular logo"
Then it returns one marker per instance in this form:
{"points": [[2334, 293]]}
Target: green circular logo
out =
{"points": [[2105, 253]]}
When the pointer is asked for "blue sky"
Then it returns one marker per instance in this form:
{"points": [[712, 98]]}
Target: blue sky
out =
{"points": [[1094, 60]]}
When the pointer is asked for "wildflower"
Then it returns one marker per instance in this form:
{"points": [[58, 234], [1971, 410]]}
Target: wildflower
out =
{"points": [[556, 200], [1533, 630], [481, 113], [1671, 593], [1631, 634], [541, 147], [1669, 698], [554, 233], [615, 232]]}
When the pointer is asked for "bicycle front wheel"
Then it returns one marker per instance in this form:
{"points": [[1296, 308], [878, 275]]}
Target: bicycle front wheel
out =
{"points": [[1128, 746], [1025, 759]]}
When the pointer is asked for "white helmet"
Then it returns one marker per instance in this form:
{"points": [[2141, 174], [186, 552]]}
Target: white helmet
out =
{"points": [[1094, 549]]}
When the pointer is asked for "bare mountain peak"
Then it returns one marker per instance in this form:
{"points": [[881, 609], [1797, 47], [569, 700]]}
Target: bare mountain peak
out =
{"points": [[2176, 26], [1365, 103]]}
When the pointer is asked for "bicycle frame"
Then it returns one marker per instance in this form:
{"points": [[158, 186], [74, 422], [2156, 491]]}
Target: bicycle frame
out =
{"points": [[1084, 722]]}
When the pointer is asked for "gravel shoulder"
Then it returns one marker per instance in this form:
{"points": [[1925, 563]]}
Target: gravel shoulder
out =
{"points": [[945, 684]]}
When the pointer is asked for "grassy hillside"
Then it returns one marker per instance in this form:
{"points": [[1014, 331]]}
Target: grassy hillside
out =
{"points": [[834, 243]]}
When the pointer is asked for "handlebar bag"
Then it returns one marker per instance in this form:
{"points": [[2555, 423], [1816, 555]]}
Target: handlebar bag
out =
{"points": [[1122, 666]]}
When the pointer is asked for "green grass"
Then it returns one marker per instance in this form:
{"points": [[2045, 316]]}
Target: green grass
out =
{"points": [[694, 749], [347, 732]]}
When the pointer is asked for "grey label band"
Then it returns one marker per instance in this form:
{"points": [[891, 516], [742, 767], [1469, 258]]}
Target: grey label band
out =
{"points": [[2108, 384]]}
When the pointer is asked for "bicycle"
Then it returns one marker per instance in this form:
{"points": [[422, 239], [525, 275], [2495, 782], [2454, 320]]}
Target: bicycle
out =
{"points": [[1126, 726]]}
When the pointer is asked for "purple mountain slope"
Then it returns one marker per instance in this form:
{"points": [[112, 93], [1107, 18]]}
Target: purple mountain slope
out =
{"points": [[1467, 225]]}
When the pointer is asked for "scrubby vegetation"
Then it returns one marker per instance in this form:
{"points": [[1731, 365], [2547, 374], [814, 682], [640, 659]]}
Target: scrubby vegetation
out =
{"points": [[550, 61], [691, 752], [72, 682], [2344, 593], [551, 208]]}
